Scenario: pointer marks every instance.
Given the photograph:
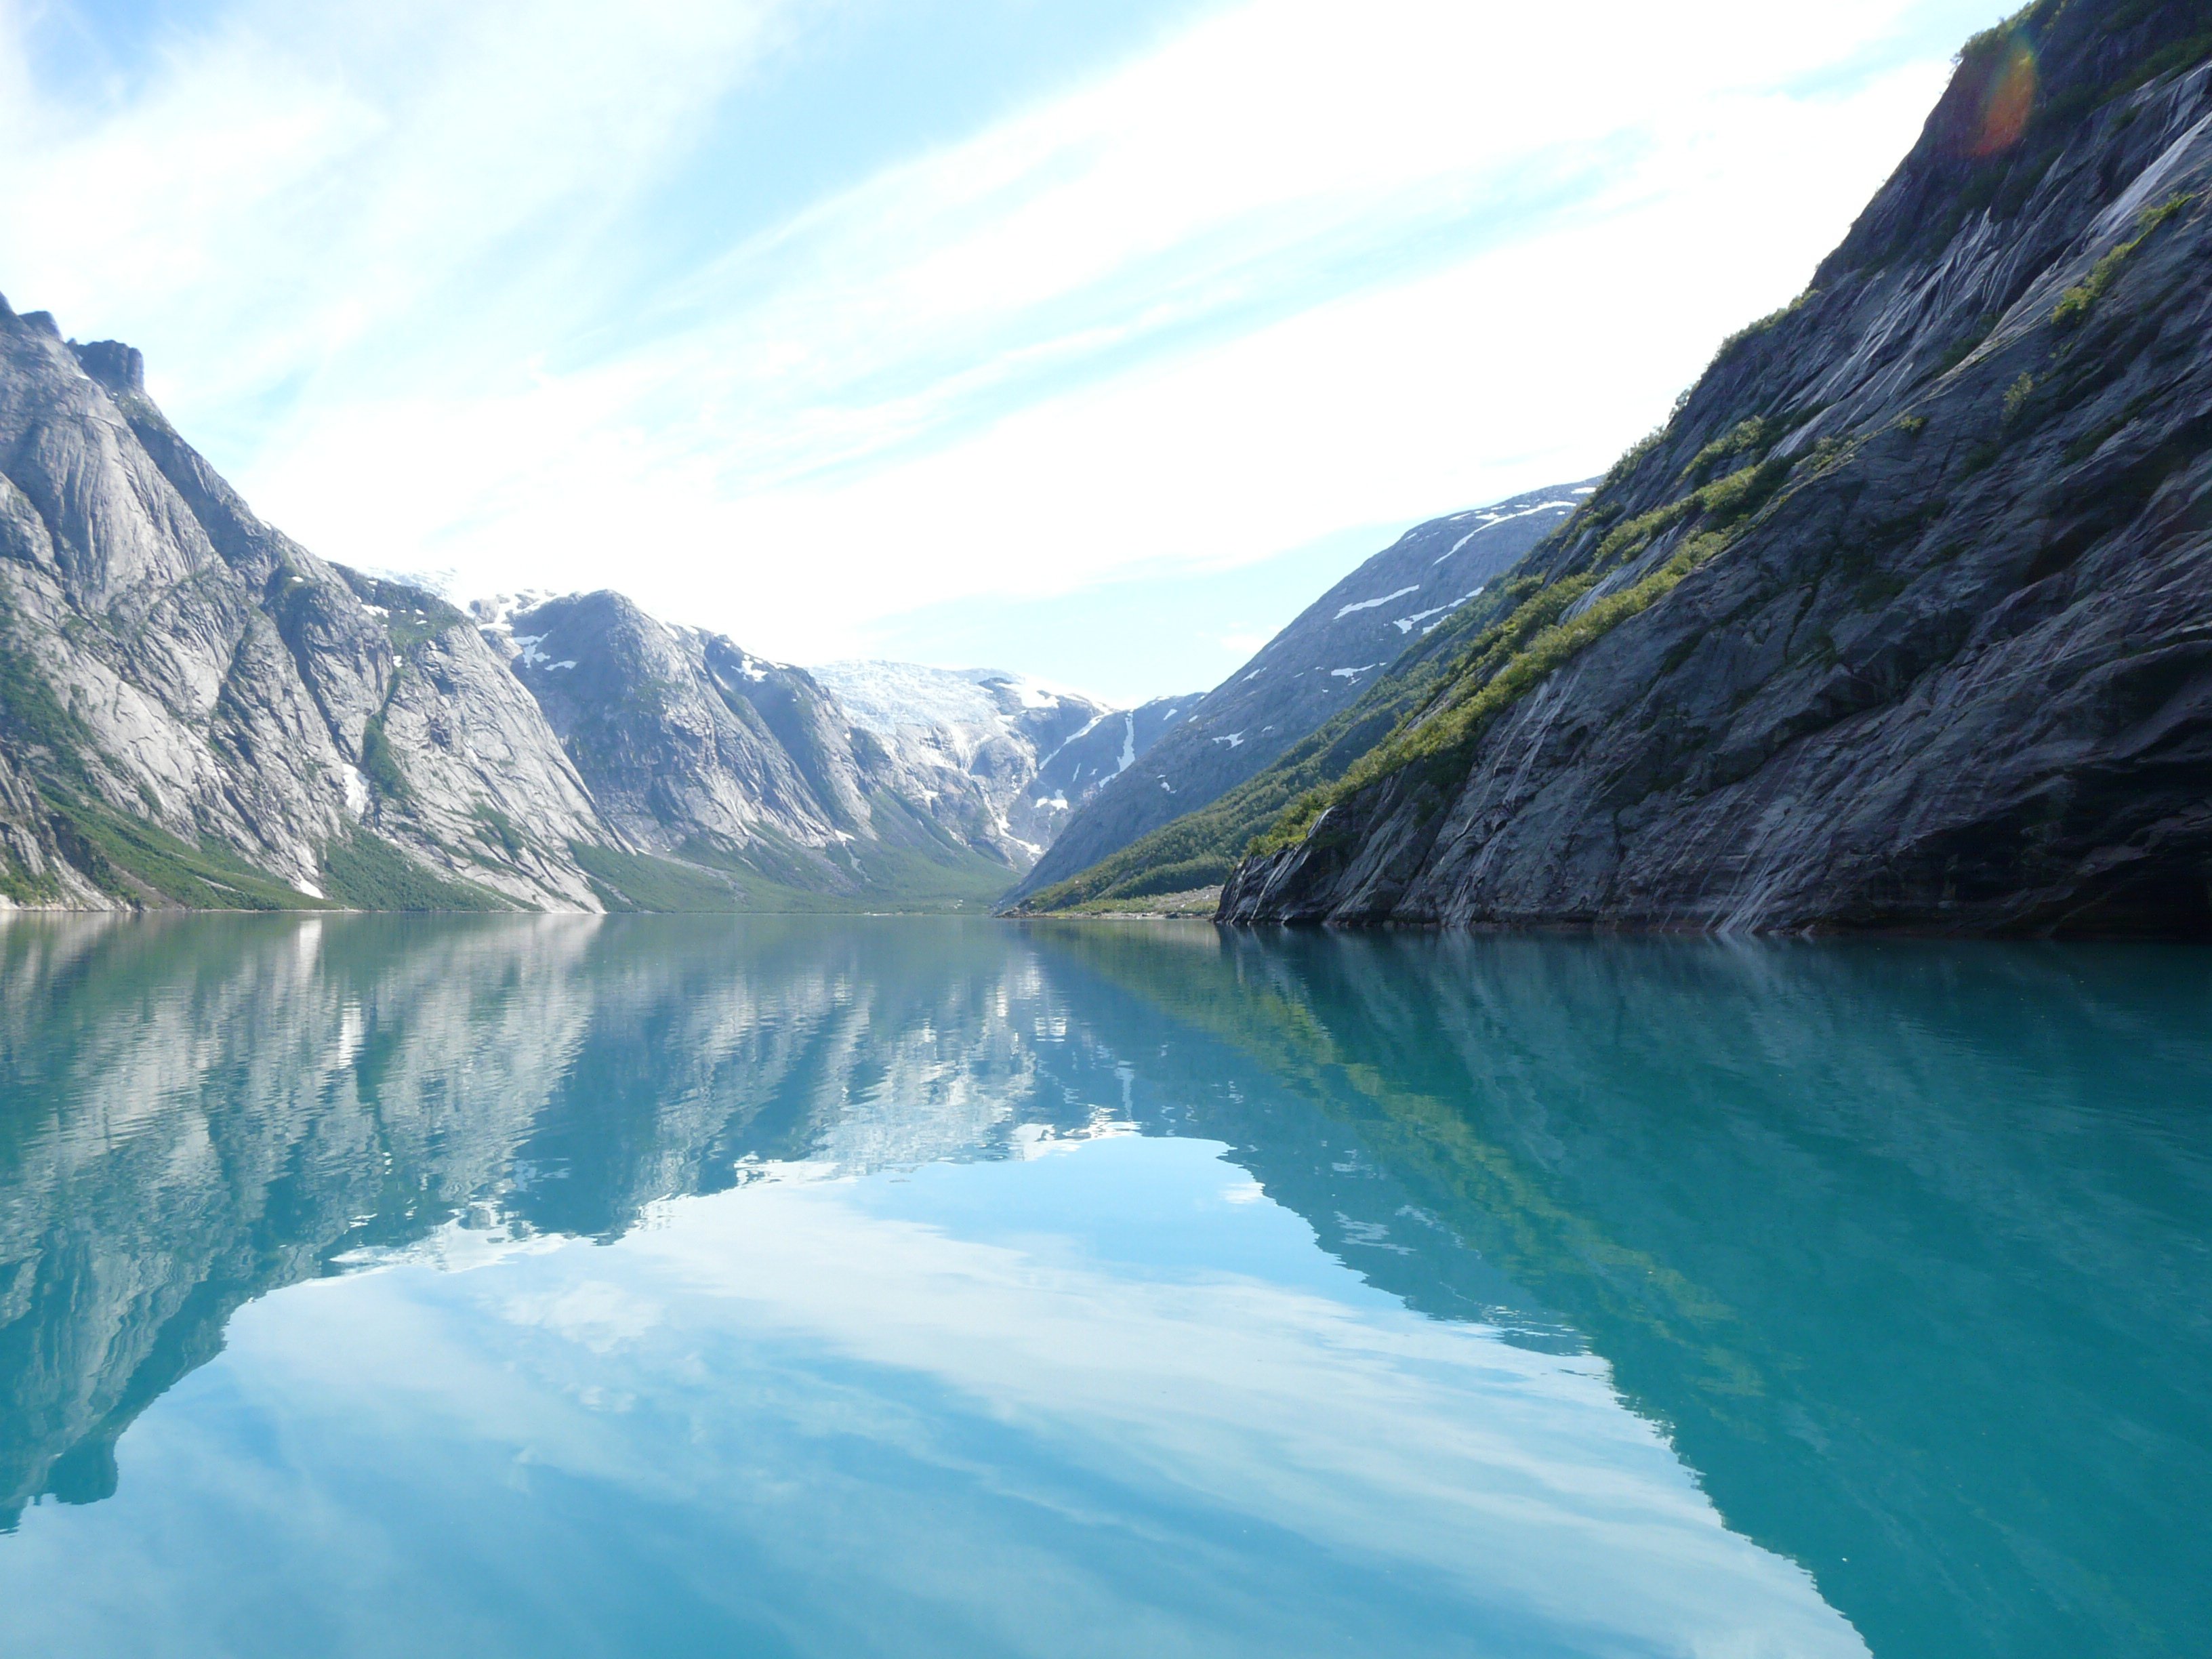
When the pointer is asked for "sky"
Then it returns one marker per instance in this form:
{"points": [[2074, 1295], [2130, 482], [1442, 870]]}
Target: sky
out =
{"points": [[1091, 341]]}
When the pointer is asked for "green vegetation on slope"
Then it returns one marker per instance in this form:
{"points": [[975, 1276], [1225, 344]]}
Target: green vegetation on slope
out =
{"points": [[365, 873], [1445, 692], [377, 763], [2078, 302], [34, 722], [1530, 648], [918, 865], [638, 881], [21, 885], [411, 614], [1201, 848], [125, 857], [135, 861], [1604, 567], [912, 866]]}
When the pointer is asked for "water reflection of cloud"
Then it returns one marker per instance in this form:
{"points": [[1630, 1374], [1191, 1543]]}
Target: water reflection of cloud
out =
{"points": [[984, 1431], [1367, 1431]]}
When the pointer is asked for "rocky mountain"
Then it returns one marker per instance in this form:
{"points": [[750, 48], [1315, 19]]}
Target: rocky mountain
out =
{"points": [[682, 736], [195, 710], [1901, 621], [1070, 776], [1031, 754], [1304, 677], [699, 751]]}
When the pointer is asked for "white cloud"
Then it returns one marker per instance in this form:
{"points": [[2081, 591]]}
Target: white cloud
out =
{"points": [[302, 180], [1286, 274]]}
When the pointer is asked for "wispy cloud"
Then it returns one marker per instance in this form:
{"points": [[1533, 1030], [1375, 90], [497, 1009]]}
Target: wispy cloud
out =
{"points": [[1297, 267], [300, 182]]}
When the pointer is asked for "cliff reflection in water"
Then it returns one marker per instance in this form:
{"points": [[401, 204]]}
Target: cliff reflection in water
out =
{"points": [[1904, 1247]]}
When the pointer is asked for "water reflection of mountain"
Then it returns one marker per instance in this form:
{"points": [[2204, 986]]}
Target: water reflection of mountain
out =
{"points": [[1906, 1247], [194, 1113]]}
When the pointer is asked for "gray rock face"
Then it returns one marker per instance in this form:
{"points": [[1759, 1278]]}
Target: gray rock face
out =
{"points": [[1317, 666], [694, 748], [981, 747], [35, 871], [1942, 659], [1112, 742], [198, 711], [195, 711], [672, 728]]}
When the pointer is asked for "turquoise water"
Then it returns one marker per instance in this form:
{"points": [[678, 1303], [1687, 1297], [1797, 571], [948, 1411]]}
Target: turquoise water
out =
{"points": [[564, 1287]]}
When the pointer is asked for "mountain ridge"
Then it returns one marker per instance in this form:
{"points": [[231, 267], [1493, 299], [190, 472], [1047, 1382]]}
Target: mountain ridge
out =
{"points": [[1315, 665], [1898, 622]]}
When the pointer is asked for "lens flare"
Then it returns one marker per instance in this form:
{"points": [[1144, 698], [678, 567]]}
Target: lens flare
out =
{"points": [[2009, 102]]}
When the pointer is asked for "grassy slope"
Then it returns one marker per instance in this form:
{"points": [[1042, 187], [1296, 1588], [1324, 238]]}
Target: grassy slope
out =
{"points": [[914, 865], [140, 864], [365, 873]]}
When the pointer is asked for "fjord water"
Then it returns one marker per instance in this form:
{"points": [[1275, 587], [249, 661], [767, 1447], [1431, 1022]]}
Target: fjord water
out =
{"points": [[566, 1286]]}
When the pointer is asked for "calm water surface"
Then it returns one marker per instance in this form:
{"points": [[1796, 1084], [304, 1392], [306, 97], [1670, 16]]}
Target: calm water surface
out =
{"points": [[559, 1286]]}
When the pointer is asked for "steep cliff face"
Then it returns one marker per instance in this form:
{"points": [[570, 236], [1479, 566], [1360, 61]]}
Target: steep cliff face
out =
{"points": [[1318, 665], [698, 751], [34, 870], [660, 723], [195, 710], [1902, 620]]}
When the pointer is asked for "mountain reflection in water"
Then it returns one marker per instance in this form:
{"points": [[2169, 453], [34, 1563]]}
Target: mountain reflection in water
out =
{"points": [[1902, 1250]]}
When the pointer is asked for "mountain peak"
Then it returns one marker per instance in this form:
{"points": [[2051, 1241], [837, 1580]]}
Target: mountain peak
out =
{"points": [[117, 366]]}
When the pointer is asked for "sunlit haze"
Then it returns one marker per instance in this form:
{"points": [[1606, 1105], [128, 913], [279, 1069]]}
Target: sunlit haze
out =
{"points": [[991, 332]]}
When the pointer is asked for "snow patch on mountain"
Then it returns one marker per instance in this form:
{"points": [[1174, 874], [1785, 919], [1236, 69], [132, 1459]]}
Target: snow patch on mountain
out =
{"points": [[999, 732], [1293, 683], [1371, 604], [899, 699]]}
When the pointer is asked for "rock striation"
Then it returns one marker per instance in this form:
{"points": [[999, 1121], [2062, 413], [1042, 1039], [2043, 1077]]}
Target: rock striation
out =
{"points": [[697, 750], [1904, 620], [194, 710]]}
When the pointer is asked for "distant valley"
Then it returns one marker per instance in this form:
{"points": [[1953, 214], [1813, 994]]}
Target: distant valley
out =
{"points": [[1321, 664]]}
